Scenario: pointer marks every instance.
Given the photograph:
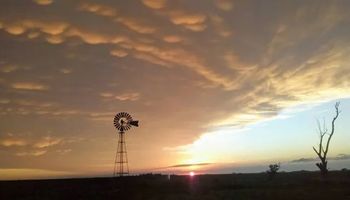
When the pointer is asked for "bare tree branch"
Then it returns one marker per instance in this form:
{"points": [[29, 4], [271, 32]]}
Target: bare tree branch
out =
{"points": [[333, 123], [322, 152]]}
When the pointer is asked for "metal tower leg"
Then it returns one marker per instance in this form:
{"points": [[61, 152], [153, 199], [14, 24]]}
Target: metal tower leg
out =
{"points": [[121, 160]]}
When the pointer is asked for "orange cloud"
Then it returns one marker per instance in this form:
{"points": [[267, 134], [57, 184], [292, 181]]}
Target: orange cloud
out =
{"points": [[19, 27], [194, 22], [98, 9], [128, 96], [136, 25], [32, 153], [29, 86], [43, 2], [180, 18], [188, 60], [14, 29], [8, 142], [33, 35], [225, 5], [54, 39], [119, 53], [196, 27], [154, 4], [52, 27], [47, 142], [106, 94], [172, 38], [151, 59], [92, 37]]}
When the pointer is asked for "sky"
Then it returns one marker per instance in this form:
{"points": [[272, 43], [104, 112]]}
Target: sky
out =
{"points": [[218, 86]]}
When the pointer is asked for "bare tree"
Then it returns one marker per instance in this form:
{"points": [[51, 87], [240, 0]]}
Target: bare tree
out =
{"points": [[322, 151]]}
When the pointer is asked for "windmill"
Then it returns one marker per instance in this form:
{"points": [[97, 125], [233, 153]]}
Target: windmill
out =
{"points": [[123, 122]]}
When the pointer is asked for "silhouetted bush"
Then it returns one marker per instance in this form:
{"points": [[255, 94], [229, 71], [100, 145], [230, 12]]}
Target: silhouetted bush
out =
{"points": [[273, 168]]}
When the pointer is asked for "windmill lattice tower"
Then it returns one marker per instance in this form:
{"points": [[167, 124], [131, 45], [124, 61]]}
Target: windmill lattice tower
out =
{"points": [[123, 122]]}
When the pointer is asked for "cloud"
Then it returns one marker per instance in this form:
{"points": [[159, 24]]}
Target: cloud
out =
{"points": [[304, 160], [29, 86], [54, 39], [91, 37], [47, 142], [151, 59], [4, 101], [129, 96], [154, 4], [32, 153], [8, 142], [21, 26], [106, 94], [63, 151], [193, 22], [225, 5], [15, 29], [196, 27], [118, 53], [338, 157], [172, 38], [181, 18], [43, 2], [66, 71], [188, 165], [98, 9], [239, 71], [188, 60], [220, 26], [8, 68], [133, 96], [136, 25], [39, 143]]}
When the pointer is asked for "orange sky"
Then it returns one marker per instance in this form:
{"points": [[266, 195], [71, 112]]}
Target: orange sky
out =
{"points": [[189, 70]]}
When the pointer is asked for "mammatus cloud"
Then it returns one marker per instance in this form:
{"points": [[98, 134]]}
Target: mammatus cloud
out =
{"points": [[154, 4], [193, 22], [98, 9], [21, 26]]}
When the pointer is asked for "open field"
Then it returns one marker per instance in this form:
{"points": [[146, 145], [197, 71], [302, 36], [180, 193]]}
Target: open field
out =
{"points": [[293, 185]]}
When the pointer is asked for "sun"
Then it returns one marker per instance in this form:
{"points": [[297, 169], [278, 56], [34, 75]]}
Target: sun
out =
{"points": [[192, 174]]}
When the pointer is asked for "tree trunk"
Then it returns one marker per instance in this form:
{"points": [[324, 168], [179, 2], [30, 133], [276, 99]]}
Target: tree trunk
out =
{"points": [[323, 167]]}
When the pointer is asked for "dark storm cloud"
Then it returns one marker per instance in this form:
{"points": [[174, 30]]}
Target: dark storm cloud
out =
{"points": [[338, 157], [189, 165]]}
